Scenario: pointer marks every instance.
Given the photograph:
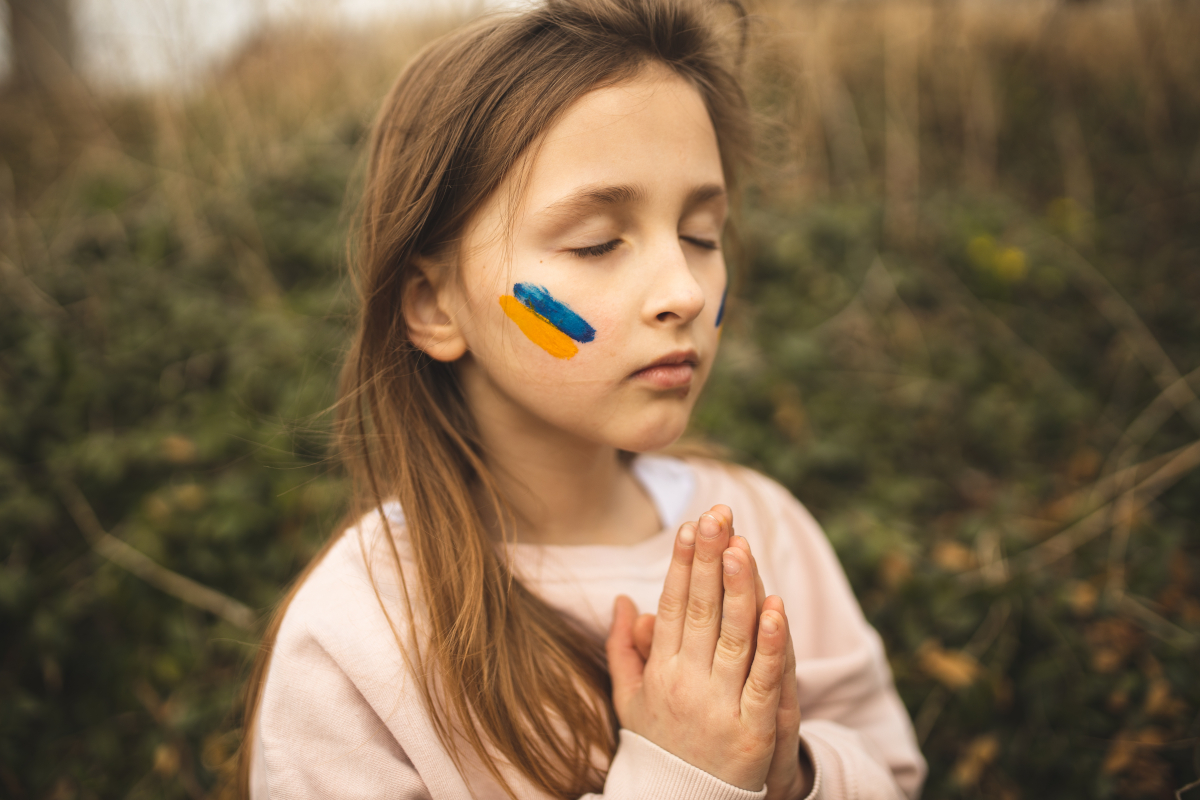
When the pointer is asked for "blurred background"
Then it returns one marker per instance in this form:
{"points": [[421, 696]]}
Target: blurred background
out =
{"points": [[965, 334]]}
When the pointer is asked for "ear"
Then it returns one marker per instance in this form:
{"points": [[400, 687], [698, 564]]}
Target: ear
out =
{"points": [[428, 298]]}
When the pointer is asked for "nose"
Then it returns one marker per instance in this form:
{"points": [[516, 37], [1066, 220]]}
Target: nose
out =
{"points": [[674, 296]]}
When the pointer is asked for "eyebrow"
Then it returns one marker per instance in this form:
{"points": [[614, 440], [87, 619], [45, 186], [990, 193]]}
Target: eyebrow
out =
{"points": [[594, 197]]}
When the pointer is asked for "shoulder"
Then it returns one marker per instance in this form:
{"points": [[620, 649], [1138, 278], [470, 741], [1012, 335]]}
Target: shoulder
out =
{"points": [[349, 613], [339, 694]]}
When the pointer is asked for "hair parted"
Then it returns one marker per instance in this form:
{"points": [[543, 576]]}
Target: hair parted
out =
{"points": [[515, 680]]}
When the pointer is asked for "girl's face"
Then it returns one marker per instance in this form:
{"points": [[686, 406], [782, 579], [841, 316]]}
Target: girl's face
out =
{"points": [[589, 299]]}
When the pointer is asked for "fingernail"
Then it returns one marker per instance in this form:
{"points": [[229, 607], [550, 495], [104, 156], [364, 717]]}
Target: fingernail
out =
{"points": [[769, 624], [709, 526], [687, 535], [731, 564]]}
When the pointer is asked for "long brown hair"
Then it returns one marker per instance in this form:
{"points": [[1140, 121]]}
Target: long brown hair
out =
{"points": [[518, 681]]}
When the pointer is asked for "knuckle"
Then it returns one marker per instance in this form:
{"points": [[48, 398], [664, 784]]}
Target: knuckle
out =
{"points": [[738, 587], [732, 646], [759, 688], [732, 643], [701, 611], [788, 719], [671, 606]]}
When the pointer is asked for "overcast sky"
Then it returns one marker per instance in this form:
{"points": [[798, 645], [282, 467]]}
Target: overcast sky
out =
{"points": [[154, 42]]}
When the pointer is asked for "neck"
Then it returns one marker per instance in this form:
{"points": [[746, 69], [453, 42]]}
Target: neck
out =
{"points": [[561, 489]]}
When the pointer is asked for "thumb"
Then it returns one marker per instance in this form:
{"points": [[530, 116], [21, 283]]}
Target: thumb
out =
{"points": [[625, 664], [643, 635]]}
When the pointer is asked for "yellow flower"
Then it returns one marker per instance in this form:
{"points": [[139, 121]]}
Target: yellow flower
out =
{"points": [[1010, 264]]}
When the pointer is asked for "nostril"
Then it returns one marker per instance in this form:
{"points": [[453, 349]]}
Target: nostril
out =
{"points": [[667, 315]]}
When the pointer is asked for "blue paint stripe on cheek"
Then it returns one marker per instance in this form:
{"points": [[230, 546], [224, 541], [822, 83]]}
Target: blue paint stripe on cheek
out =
{"points": [[721, 309], [558, 314]]}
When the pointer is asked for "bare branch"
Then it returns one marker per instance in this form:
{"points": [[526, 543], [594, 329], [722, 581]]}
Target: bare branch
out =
{"points": [[141, 565], [1097, 522], [1121, 315]]}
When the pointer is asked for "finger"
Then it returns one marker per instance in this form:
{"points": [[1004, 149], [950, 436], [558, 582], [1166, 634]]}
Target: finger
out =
{"points": [[783, 770], [760, 696], [760, 592], [625, 664], [789, 703], [702, 622], [787, 721], [643, 635], [739, 619], [672, 604]]}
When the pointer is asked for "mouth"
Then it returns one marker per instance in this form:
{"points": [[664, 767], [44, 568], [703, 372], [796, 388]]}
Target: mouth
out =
{"points": [[672, 371]]}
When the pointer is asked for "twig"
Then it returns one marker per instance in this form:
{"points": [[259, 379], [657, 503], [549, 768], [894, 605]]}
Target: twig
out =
{"points": [[1104, 489], [141, 565], [1096, 522], [1036, 365], [33, 297], [1153, 416], [1163, 628], [981, 640], [931, 709], [1121, 315], [1135, 436]]}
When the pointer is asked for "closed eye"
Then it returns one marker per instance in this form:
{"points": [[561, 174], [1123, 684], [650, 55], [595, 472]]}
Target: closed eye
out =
{"points": [[704, 244], [596, 249]]}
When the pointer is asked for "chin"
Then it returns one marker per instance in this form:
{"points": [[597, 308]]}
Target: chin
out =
{"points": [[662, 433]]}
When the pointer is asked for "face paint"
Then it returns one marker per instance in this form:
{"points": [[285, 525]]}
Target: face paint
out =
{"points": [[557, 314], [548, 323], [721, 308]]}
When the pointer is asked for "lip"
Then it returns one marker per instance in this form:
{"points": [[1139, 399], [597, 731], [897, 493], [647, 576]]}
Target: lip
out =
{"points": [[672, 371]]}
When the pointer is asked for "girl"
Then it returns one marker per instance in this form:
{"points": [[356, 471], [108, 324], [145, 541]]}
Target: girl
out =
{"points": [[542, 289]]}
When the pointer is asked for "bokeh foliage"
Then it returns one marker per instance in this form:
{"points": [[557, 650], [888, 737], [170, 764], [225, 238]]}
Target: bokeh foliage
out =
{"points": [[965, 334]]}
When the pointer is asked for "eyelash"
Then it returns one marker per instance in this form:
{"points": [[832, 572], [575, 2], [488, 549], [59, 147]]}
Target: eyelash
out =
{"points": [[597, 250]]}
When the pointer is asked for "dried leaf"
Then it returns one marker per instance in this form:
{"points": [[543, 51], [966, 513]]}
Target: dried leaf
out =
{"points": [[179, 449], [1082, 597], [954, 668], [953, 557], [981, 752], [894, 570], [1112, 641]]}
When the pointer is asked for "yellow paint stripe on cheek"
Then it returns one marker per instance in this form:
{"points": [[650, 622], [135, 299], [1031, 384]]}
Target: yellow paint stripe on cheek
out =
{"points": [[538, 329]]}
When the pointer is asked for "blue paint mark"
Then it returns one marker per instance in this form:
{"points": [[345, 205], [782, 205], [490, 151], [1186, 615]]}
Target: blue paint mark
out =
{"points": [[560, 315], [721, 310]]}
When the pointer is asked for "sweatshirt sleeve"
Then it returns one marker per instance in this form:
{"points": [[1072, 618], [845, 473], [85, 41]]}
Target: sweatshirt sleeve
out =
{"points": [[642, 769], [853, 726], [317, 736]]}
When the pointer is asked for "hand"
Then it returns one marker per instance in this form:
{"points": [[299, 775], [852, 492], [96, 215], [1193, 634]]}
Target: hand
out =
{"points": [[709, 692], [791, 775]]}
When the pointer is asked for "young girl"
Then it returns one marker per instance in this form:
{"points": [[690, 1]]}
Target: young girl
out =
{"points": [[542, 288]]}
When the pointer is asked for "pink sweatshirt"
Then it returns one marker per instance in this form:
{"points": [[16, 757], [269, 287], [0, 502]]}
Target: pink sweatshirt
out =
{"points": [[341, 718]]}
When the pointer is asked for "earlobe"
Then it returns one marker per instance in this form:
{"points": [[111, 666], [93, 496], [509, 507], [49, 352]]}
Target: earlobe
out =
{"points": [[431, 326]]}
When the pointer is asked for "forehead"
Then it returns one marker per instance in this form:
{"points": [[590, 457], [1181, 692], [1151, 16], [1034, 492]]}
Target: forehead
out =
{"points": [[652, 131]]}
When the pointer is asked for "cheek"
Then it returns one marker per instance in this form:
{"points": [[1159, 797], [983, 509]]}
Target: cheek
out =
{"points": [[538, 329], [548, 322]]}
